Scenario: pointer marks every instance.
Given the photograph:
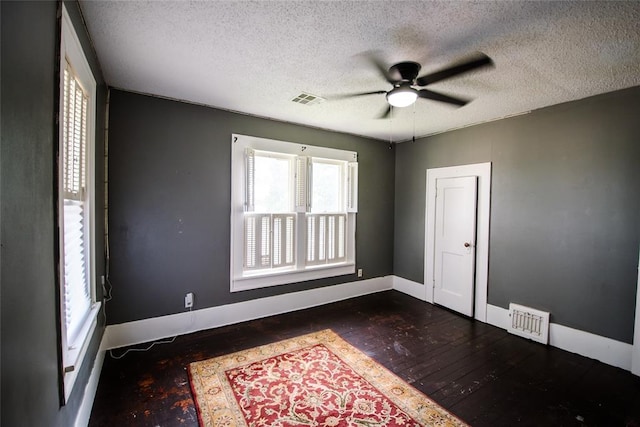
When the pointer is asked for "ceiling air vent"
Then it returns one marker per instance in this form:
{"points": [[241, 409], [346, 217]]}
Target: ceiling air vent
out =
{"points": [[307, 99]]}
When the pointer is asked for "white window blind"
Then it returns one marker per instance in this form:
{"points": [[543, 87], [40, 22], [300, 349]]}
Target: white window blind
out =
{"points": [[326, 238], [352, 187], [250, 162], [269, 241], [77, 294], [284, 226], [257, 252], [302, 171], [74, 133]]}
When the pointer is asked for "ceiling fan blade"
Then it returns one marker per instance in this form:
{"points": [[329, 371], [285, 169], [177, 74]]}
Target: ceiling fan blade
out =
{"points": [[435, 96], [386, 113], [380, 66], [354, 95], [481, 60]]}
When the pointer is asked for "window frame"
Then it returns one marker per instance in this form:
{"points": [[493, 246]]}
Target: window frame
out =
{"points": [[241, 280], [73, 353]]}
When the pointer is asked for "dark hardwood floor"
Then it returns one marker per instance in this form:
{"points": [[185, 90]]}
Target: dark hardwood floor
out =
{"points": [[480, 373]]}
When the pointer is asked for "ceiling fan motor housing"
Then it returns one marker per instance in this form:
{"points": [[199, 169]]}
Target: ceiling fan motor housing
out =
{"points": [[405, 71]]}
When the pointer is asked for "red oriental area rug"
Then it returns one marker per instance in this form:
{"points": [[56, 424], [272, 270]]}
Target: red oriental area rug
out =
{"points": [[313, 380]]}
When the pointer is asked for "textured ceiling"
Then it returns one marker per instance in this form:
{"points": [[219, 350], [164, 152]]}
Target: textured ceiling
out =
{"points": [[254, 57]]}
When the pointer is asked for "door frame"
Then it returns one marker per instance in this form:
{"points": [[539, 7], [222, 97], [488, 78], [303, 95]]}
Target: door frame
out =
{"points": [[483, 172]]}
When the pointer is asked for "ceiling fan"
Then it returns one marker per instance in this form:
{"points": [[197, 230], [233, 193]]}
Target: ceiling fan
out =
{"points": [[408, 87]]}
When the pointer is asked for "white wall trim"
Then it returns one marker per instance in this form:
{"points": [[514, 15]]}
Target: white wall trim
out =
{"points": [[156, 328], [409, 287], [483, 172], [635, 361], [73, 353], [607, 350], [84, 412]]}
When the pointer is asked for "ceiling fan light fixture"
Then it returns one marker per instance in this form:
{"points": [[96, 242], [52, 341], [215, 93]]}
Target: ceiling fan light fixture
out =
{"points": [[402, 96]]}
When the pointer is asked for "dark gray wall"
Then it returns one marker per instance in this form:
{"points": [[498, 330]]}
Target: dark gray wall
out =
{"points": [[170, 201], [29, 319], [564, 211]]}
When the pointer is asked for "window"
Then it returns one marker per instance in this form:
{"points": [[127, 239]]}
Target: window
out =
{"points": [[293, 212], [76, 203]]}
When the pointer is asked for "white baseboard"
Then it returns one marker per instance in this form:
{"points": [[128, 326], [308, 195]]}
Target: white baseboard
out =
{"points": [[84, 412], [409, 287], [156, 328], [606, 350], [498, 316]]}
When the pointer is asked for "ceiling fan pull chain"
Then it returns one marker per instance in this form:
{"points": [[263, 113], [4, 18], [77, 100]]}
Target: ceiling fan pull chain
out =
{"points": [[390, 127], [414, 123]]}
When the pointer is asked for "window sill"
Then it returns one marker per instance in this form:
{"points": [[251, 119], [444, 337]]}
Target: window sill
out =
{"points": [[265, 280], [74, 357]]}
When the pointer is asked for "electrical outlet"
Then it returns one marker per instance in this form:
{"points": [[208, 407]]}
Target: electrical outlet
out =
{"points": [[359, 272], [188, 300]]}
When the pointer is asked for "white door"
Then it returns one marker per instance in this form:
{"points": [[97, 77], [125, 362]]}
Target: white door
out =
{"points": [[455, 237]]}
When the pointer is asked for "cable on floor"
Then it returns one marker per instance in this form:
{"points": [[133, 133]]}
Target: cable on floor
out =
{"points": [[169, 341]]}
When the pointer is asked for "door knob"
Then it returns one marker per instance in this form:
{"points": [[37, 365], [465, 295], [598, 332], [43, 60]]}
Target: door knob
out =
{"points": [[467, 244]]}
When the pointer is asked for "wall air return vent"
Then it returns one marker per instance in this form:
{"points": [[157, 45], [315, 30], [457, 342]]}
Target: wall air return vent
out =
{"points": [[529, 323], [307, 99]]}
